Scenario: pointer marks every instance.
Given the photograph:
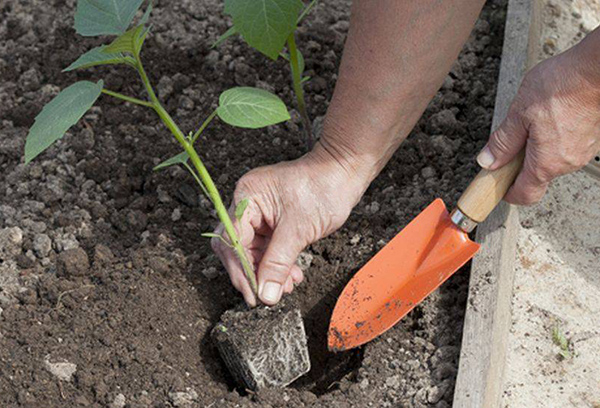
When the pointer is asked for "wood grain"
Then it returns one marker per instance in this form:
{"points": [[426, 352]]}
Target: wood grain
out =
{"points": [[488, 188]]}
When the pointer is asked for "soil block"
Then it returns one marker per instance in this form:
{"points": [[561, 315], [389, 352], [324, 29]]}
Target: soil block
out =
{"points": [[263, 347]]}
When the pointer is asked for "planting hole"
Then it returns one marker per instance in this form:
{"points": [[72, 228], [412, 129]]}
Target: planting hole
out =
{"points": [[327, 369]]}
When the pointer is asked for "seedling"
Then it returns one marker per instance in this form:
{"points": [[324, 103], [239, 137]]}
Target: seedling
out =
{"points": [[267, 26], [562, 342], [243, 107]]}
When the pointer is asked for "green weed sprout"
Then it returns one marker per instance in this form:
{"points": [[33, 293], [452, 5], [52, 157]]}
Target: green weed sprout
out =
{"points": [[562, 342], [267, 26], [243, 107]]}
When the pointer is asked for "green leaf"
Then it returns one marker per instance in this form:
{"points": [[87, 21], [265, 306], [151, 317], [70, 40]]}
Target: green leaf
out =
{"points": [[561, 341], [565, 354], [251, 108], [97, 56], [220, 237], [210, 235], [104, 17], [181, 158], [305, 79], [131, 42], [231, 32], [265, 24], [301, 64], [59, 115], [240, 208]]}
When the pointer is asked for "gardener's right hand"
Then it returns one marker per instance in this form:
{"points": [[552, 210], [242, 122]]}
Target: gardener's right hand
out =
{"points": [[291, 205], [555, 117]]}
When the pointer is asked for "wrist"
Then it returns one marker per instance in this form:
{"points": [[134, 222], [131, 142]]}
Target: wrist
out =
{"points": [[345, 173]]}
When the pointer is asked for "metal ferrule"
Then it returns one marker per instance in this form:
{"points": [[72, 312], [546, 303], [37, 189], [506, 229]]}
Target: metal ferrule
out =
{"points": [[462, 221]]}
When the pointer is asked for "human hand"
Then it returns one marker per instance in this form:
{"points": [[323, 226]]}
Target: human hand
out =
{"points": [[290, 205], [556, 117]]}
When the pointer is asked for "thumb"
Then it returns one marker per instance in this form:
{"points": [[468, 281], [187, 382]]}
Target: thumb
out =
{"points": [[276, 264], [504, 143]]}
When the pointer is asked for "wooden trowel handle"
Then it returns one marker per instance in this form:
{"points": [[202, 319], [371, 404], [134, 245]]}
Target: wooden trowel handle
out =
{"points": [[488, 188]]}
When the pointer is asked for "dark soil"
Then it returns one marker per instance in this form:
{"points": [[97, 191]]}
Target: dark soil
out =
{"points": [[105, 296]]}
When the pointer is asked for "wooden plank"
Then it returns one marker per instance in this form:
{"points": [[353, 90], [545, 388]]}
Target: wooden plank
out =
{"points": [[488, 315]]}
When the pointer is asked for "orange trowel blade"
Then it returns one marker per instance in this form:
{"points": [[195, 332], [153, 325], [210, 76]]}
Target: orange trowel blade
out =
{"points": [[411, 266]]}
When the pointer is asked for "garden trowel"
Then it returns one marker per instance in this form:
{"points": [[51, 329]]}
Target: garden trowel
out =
{"points": [[416, 262]]}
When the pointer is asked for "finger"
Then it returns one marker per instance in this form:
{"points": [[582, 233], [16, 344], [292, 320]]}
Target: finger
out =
{"points": [[288, 287], [504, 143], [277, 263], [297, 274], [529, 188], [234, 269], [232, 265]]}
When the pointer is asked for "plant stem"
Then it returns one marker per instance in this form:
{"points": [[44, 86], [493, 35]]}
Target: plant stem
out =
{"points": [[297, 83], [128, 98], [204, 125], [195, 176], [207, 181], [307, 10]]}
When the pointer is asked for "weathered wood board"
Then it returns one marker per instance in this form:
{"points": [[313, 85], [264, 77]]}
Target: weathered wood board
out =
{"points": [[488, 315]]}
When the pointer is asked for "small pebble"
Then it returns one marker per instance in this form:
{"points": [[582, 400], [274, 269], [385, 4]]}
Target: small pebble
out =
{"points": [[42, 244], [176, 215], [118, 402], [210, 272], [428, 173], [305, 260], [393, 381], [62, 370], [183, 399]]}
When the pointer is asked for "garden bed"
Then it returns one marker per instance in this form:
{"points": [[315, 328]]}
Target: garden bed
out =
{"points": [[104, 278]]}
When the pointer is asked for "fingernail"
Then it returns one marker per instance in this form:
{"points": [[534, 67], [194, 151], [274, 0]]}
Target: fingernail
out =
{"points": [[271, 292], [485, 158]]}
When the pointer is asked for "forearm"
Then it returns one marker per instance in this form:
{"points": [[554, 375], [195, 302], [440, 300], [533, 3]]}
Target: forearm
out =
{"points": [[396, 57]]}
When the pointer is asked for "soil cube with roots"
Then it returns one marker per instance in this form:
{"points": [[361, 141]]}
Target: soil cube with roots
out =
{"points": [[263, 347]]}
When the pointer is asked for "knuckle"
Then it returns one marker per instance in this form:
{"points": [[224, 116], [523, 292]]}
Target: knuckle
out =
{"points": [[247, 181], [533, 113], [500, 141], [572, 161], [276, 270]]}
